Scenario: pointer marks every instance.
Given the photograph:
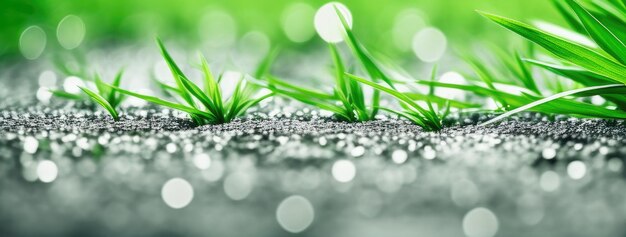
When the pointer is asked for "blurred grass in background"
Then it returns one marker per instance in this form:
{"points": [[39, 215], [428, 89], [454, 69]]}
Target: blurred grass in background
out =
{"points": [[387, 25]]}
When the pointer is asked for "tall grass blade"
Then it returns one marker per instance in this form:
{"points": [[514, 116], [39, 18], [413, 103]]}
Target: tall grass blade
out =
{"points": [[595, 90]]}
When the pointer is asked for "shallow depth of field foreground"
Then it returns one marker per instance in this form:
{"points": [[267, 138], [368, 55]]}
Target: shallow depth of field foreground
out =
{"points": [[307, 118]]}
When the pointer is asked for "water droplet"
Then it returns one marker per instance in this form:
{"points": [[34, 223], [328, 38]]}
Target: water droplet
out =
{"points": [[429, 153], [548, 153], [328, 24], [295, 214], [71, 31], [47, 171], [576, 169], [43, 95], [47, 78], [464, 193], [30, 145], [255, 43], [399, 156], [177, 193], [429, 44], [406, 24], [238, 186], [32, 42], [480, 222], [549, 181], [72, 85], [218, 28], [451, 78], [343, 171], [297, 22], [202, 161], [357, 151]]}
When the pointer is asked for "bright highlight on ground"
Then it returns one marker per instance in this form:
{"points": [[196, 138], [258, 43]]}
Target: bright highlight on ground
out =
{"points": [[480, 222], [47, 171], [295, 214], [177, 193], [328, 24], [343, 171]]}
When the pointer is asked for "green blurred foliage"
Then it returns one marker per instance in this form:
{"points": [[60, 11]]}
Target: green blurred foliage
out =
{"points": [[115, 21]]}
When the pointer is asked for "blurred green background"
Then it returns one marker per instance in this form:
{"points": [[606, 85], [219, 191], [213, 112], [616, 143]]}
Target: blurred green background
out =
{"points": [[288, 23]]}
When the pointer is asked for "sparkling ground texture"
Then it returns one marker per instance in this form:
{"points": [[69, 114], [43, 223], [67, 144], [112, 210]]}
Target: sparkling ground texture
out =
{"points": [[280, 171]]}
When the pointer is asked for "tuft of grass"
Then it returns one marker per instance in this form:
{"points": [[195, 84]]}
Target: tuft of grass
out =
{"points": [[107, 97], [598, 70], [428, 118], [347, 100], [206, 105]]}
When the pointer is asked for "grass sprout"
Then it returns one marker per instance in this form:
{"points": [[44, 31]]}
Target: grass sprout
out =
{"points": [[347, 100], [204, 105], [107, 97], [428, 118]]}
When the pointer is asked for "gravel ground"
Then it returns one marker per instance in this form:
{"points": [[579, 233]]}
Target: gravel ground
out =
{"points": [[71, 172]]}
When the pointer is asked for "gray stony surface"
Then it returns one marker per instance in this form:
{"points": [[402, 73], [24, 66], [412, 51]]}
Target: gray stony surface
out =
{"points": [[407, 183]]}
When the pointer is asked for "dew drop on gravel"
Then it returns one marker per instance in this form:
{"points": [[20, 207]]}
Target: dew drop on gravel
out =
{"points": [[549, 181], [295, 214], [576, 169], [202, 161], [399, 156], [429, 153], [30, 145], [328, 24], [32, 42], [548, 153], [171, 148], [343, 171], [429, 44], [47, 171], [480, 222], [357, 151], [177, 193], [71, 31]]}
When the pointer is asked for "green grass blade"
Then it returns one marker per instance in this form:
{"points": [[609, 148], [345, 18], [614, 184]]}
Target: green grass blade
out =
{"points": [[603, 36], [112, 95], [176, 73], [594, 90], [65, 95], [572, 52], [156, 100], [274, 82], [526, 77], [211, 87], [569, 16], [413, 118], [392, 92], [102, 101], [266, 64]]}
